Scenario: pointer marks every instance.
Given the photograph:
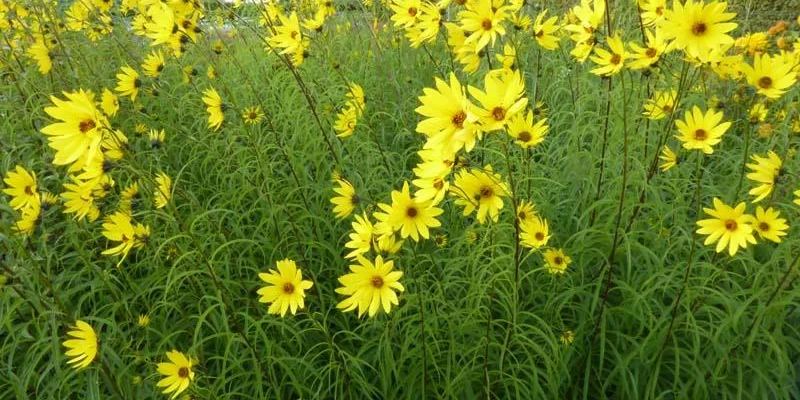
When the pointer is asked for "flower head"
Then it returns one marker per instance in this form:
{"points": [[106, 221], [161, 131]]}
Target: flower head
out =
{"points": [[21, 188], [556, 261], [178, 373], [163, 192], [214, 108], [701, 131], [286, 288], [409, 215], [346, 200], [370, 287], [769, 225], [481, 190], [729, 227], [698, 28], [82, 349]]}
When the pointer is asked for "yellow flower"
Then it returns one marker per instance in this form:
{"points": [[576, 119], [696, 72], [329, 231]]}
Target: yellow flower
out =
{"points": [[128, 82], [361, 238], [485, 21], [503, 97], [109, 103], [21, 188], [645, 57], [29, 216], [153, 64], [346, 121], [661, 105], [698, 28], [544, 31], [610, 63], [556, 261], [449, 120], [119, 228], [163, 192], [156, 138], [347, 200], [534, 232], [214, 108], [83, 348], [79, 198], [729, 227], [567, 337], [526, 210], [769, 225], [286, 288], [178, 373], [405, 12], [771, 76], [252, 115], [40, 52], [370, 287], [525, 132], [81, 128], [409, 215], [764, 171], [701, 131], [668, 157], [484, 191], [143, 320]]}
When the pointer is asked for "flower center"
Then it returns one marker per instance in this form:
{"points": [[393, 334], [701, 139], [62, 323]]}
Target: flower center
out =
{"points": [[499, 113], [651, 52], [558, 260], [765, 82], [539, 236], [412, 11], [377, 282], [354, 199], [412, 212], [699, 28], [486, 192], [731, 225], [29, 190], [288, 288], [183, 372], [615, 59], [486, 24], [458, 119], [700, 134], [539, 34], [522, 215], [438, 184], [763, 227], [666, 108], [524, 136], [86, 125]]}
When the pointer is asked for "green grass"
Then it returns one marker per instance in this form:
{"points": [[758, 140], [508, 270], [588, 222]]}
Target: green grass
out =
{"points": [[466, 327]]}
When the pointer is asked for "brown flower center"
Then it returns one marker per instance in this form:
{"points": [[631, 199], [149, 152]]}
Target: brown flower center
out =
{"points": [[86, 125], [438, 184], [699, 28], [731, 225], [524, 136], [412, 212], [377, 282], [763, 227], [539, 236], [666, 108], [651, 52], [700, 134], [499, 113], [29, 190], [288, 288], [486, 192], [412, 11], [458, 119], [765, 82], [183, 372], [522, 215], [486, 24], [558, 260], [615, 59], [539, 34]]}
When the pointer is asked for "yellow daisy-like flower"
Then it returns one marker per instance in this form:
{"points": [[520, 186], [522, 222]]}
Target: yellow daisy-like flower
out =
{"points": [[29, 216], [214, 108], [286, 289], [82, 349], [504, 96], [764, 171], [556, 262], [771, 76], [485, 21], [567, 337], [153, 64], [610, 62], [661, 105], [370, 287], [645, 57], [163, 192], [128, 82], [729, 227], [481, 190], [156, 138], [252, 115], [80, 131], [119, 228], [668, 159], [449, 121], [346, 121], [21, 188], [109, 103], [534, 232], [361, 238], [698, 28], [143, 320], [178, 373], [347, 200], [769, 225], [701, 131], [409, 215], [544, 31], [525, 132], [526, 210], [79, 198]]}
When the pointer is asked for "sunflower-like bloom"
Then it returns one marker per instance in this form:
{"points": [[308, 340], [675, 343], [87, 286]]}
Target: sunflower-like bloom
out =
{"points": [[769, 224], [288, 37], [485, 21], [128, 82], [526, 210], [652, 11], [178, 373], [163, 192], [668, 159], [405, 12], [534, 232], [82, 349], [156, 138], [698, 28], [346, 121], [482, 190], [503, 97], [346, 200], [119, 228], [361, 238], [409, 215], [730, 227], [771, 76], [286, 289], [128, 198], [449, 121], [701, 131], [661, 105], [610, 63], [214, 108], [79, 198], [370, 287], [40, 53], [29, 216], [556, 262], [764, 172], [252, 115], [426, 28], [645, 57], [81, 128], [544, 31], [109, 103], [21, 188], [525, 132], [153, 64], [431, 187]]}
